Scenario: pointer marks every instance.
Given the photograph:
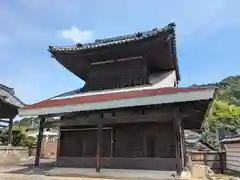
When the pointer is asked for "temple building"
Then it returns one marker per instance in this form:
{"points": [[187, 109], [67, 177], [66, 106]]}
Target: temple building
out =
{"points": [[130, 114], [9, 104]]}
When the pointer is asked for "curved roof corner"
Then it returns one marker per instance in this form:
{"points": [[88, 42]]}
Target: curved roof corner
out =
{"points": [[8, 95]]}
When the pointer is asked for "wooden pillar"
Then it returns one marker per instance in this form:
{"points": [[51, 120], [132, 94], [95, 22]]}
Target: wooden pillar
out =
{"points": [[176, 128], [10, 132], [182, 145], [222, 162], [39, 141], [99, 142], [112, 143], [58, 144], [59, 140], [184, 148]]}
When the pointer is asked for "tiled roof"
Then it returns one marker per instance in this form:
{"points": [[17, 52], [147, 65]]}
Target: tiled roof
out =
{"points": [[116, 40], [232, 138], [8, 89], [110, 97], [8, 95], [2, 99]]}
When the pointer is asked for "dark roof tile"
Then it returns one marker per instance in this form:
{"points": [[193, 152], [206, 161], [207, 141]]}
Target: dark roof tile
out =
{"points": [[114, 41]]}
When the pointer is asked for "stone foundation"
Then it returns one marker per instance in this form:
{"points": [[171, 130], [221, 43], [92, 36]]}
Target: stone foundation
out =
{"points": [[197, 171], [12, 155]]}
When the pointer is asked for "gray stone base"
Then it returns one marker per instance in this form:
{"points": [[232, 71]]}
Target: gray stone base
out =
{"points": [[12, 155]]}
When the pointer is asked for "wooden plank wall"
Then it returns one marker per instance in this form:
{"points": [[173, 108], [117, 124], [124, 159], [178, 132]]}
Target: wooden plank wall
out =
{"points": [[162, 164], [210, 158], [122, 140], [119, 116], [111, 75], [233, 156]]}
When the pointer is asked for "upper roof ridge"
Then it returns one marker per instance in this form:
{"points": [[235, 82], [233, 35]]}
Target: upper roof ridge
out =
{"points": [[114, 40]]}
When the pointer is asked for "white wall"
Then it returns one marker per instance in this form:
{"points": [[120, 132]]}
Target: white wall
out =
{"points": [[158, 80], [233, 156], [161, 80]]}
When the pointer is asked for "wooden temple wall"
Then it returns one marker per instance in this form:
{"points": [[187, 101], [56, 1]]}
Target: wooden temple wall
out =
{"points": [[167, 164], [110, 75], [127, 140]]}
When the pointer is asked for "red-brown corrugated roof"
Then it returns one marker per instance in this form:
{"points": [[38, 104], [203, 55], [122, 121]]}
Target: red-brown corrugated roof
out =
{"points": [[109, 97]]}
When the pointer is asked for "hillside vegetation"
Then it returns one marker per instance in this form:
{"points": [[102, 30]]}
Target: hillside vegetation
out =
{"points": [[225, 109]]}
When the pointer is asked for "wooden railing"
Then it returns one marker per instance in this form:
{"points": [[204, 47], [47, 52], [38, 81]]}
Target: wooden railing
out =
{"points": [[214, 159]]}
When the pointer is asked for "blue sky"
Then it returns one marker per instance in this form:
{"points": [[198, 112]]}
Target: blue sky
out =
{"points": [[207, 38]]}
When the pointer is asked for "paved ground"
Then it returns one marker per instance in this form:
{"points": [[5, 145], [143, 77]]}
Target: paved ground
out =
{"points": [[22, 173], [47, 171], [13, 172], [9, 176]]}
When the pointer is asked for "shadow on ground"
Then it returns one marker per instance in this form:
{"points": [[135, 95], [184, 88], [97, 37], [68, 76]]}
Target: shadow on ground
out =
{"points": [[28, 167], [48, 168]]}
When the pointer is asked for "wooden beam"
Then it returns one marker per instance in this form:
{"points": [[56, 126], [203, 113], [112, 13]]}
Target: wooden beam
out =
{"points": [[50, 124], [10, 132], [85, 129], [39, 141], [120, 117], [99, 142]]}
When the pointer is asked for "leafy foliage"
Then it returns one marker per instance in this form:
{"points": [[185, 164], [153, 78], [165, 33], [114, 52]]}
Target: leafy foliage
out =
{"points": [[223, 114], [27, 122], [225, 109], [33, 122], [29, 142], [19, 138]]}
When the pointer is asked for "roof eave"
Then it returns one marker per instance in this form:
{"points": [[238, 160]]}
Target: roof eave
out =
{"points": [[120, 103], [174, 51], [232, 140]]}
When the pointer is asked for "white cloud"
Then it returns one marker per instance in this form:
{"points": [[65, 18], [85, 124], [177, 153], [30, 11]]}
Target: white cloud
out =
{"points": [[77, 35]]}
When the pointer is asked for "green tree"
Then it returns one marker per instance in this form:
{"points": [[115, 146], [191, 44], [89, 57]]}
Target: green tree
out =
{"points": [[29, 142], [221, 114], [17, 136]]}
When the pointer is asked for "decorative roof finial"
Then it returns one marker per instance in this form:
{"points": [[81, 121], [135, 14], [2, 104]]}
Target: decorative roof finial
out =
{"points": [[171, 25], [139, 34], [79, 45]]}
